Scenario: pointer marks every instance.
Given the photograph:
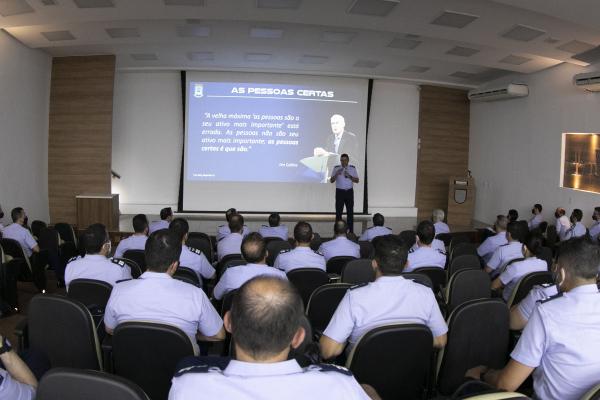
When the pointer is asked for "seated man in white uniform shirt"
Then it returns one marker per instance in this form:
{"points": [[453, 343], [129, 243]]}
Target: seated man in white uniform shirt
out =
{"points": [[224, 230], [537, 218], [507, 252], [377, 229], [562, 221], [274, 229], [340, 245], [157, 297], [166, 216], [577, 229], [17, 381], [190, 257], [425, 255], [301, 256], [595, 227], [17, 231], [137, 241], [489, 245], [437, 216], [232, 242]]}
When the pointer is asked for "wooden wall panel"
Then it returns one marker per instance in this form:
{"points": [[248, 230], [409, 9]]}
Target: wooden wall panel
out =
{"points": [[80, 136], [444, 145]]}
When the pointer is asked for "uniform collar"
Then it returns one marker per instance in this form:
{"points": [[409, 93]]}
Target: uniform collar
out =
{"points": [[591, 288], [242, 368], [306, 248], [389, 278], [95, 257], [253, 265], [155, 275]]}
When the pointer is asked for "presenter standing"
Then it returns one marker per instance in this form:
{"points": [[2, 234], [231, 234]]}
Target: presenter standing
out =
{"points": [[344, 176]]}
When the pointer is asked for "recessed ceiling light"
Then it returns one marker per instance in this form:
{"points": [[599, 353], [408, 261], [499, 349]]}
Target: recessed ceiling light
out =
{"points": [[575, 47], [337, 37], [55, 36], [523, 33], [120, 33], [189, 3], [14, 7], [306, 59], [377, 8], [515, 60], [144, 57], [462, 51], [201, 56], [366, 64], [404, 44], [193, 31], [416, 68], [258, 57], [278, 4], [454, 19], [94, 3], [266, 33]]}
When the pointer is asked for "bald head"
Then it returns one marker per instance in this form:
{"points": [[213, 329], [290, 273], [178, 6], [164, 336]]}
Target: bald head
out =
{"points": [[254, 248], [265, 315]]}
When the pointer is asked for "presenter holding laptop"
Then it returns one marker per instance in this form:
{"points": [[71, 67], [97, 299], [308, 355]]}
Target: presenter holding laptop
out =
{"points": [[344, 176]]}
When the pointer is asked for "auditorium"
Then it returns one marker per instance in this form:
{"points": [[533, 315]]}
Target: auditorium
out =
{"points": [[299, 199]]}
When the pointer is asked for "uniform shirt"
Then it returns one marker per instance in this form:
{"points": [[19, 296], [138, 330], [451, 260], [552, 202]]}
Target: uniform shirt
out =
{"points": [[341, 182], [375, 231], [504, 254], [230, 244], [156, 297], [535, 221], [98, 267], [573, 231], [339, 246], [537, 294], [158, 225], [1, 227], [562, 341], [489, 245], [223, 230], [195, 260], [595, 230], [238, 380], [133, 242], [515, 271], [390, 299], [234, 277], [280, 231], [300, 257], [562, 224], [425, 256], [22, 235], [441, 227], [13, 389], [436, 244]]}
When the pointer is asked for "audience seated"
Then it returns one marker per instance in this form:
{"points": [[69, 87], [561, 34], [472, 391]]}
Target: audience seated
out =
{"points": [[515, 271], [513, 215], [224, 230], [254, 251], [520, 313], [231, 243], [562, 222], [265, 320], [489, 245], [18, 231], [425, 255], [157, 297], [302, 256], [137, 241], [507, 252], [274, 229], [340, 245], [377, 229], [595, 227], [190, 257], [437, 216], [391, 298], [537, 218], [561, 339], [95, 264], [166, 216], [17, 381], [576, 228]]}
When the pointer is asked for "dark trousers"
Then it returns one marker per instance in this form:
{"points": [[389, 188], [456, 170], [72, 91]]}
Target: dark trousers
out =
{"points": [[345, 197]]}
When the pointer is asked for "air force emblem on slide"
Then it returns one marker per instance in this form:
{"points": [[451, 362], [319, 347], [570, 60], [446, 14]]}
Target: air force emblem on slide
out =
{"points": [[198, 90]]}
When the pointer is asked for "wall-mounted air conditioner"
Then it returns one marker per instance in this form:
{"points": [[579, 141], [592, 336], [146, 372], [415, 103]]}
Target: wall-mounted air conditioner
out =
{"points": [[510, 91], [589, 81]]}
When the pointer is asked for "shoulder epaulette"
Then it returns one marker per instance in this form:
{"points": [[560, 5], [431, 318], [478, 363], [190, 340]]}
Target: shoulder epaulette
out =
{"points": [[352, 166], [220, 226], [264, 226], [358, 285], [506, 244], [387, 227], [201, 365], [73, 259], [123, 280], [120, 263], [328, 368], [556, 296], [411, 250], [441, 252], [195, 250], [318, 252], [285, 251], [547, 285]]}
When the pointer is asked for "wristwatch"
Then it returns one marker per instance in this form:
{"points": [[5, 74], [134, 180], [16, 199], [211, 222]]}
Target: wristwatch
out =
{"points": [[5, 347]]}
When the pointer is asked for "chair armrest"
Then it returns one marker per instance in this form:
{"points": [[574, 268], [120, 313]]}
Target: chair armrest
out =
{"points": [[22, 333], [107, 353]]}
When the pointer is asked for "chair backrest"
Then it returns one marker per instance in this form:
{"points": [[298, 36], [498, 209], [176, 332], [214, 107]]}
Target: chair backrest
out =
{"points": [[13, 249], [545, 253], [306, 280], [136, 271], [551, 236], [444, 237], [226, 262], [366, 249], [275, 247], [358, 271], [335, 265], [147, 354], [419, 278], [463, 248], [543, 226], [323, 302], [66, 232], [49, 240], [478, 333], [497, 395], [90, 292], [436, 274], [36, 227], [466, 285], [138, 256], [592, 394], [525, 284], [458, 238], [63, 329], [187, 275], [201, 241], [408, 237], [394, 359], [76, 384], [269, 239], [485, 233], [465, 261]]}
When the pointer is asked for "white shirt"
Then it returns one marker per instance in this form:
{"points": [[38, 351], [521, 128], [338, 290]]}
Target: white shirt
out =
{"points": [[22, 235], [265, 381], [505, 254], [234, 277], [515, 271], [425, 256], [595, 230], [158, 225], [489, 245], [390, 299], [437, 244], [562, 223], [340, 246], [374, 232], [98, 267], [133, 242], [300, 257], [573, 231], [280, 231], [562, 341], [441, 227], [11, 389], [1, 227], [535, 221], [341, 182], [195, 260], [156, 297], [223, 230], [230, 244], [535, 296]]}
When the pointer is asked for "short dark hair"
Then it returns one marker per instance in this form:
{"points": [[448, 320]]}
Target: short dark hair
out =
{"points": [[580, 256], [303, 232], [344, 156], [597, 209], [140, 223], [513, 215], [166, 213], [229, 213], [426, 232], [578, 214], [378, 220], [163, 248], [236, 223], [266, 313], [516, 230], [180, 227], [94, 237], [534, 242], [340, 227], [390, 255], [16, 213], [254, 248], [538, 207], [274, 219]]}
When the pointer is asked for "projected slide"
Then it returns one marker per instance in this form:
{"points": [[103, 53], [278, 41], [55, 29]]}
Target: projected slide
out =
{"points": [[272, 132]]}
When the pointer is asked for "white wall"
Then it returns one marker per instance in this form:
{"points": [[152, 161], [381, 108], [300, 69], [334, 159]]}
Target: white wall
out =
{"points": [[147, 143], [515, 145], [24, 102]]}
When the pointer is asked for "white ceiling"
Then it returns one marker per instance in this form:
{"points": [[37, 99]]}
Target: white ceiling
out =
{"points": [[318, 36]]}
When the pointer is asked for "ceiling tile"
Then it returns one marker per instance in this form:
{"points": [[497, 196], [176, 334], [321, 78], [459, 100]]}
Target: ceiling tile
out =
{"points": [[575, 47], [266, 33], [416, 68], [377, 8], [591, 56], [463, 75], [94, 3], [278, 4], [193, 31], [14, 7], [201, 56], [515, 60], [307, 59], [523, 33], [55, 36], [462, 51], [454, 19], [367, 64], [404, 44], [120, 33]]}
